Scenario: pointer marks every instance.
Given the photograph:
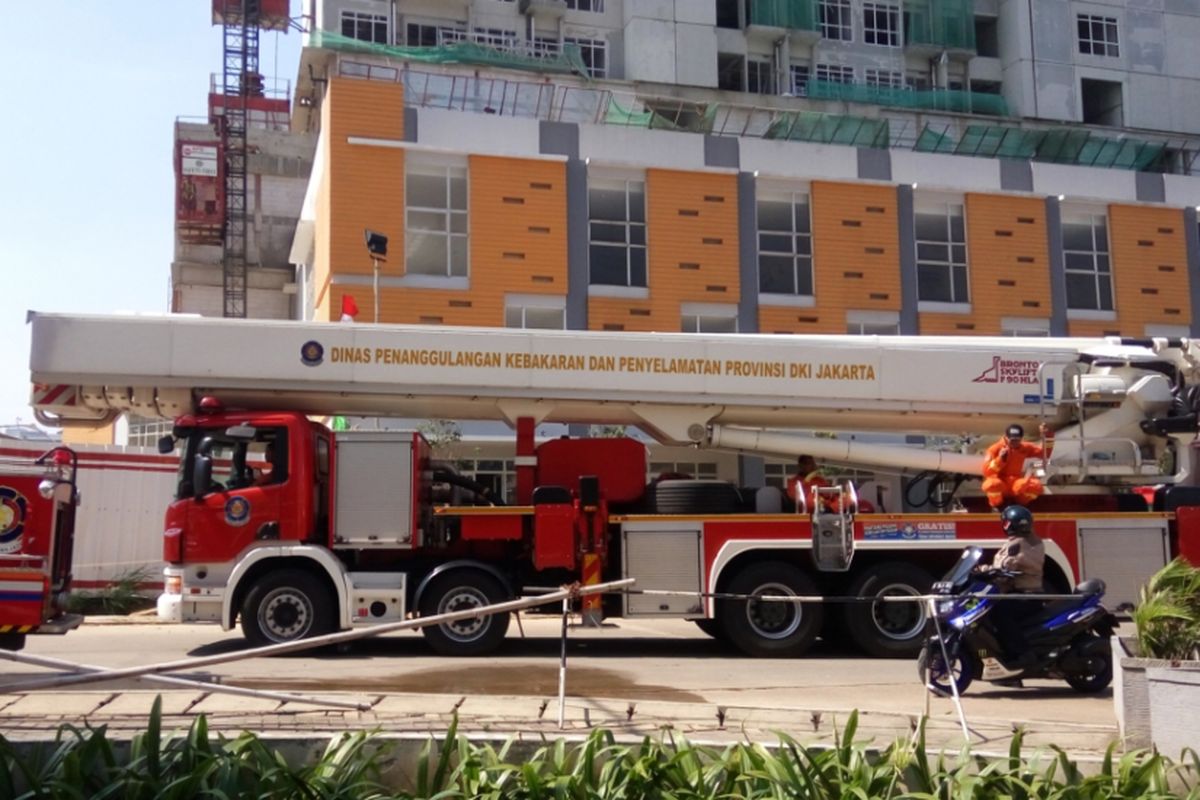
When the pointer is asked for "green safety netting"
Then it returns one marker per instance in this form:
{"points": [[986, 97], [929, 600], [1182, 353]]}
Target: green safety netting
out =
{"points": [[940, 23], [691, 117], [924, 99], [812, 126], [568, 61], [1059, 146], [793, 14]]}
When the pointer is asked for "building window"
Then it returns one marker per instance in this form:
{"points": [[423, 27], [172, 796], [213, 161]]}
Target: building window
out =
{"points": [[731, 68], [706, 470], [617, 232], [873, 323], [435, 231], [497, 38], [365, 27], [546, 312], [884, 78], [1085, 253], [800, 75], [421, 35], [835, 20], [881, 24], [835, 74], [785, 245], [760, 76], [1098, 36], [941, 254], [586, 5], [545, 47], [594, 53], [707, 318]]}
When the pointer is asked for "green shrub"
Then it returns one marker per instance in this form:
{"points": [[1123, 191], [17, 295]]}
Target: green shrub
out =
{"points": [[85, 763], [122, 597], [1167, 615]]}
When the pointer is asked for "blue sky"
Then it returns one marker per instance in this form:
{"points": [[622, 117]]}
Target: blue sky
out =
{"points": [[91, 93]]}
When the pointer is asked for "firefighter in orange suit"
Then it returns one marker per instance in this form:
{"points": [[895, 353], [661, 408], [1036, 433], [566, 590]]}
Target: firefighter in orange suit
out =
{"points": [[1004, 479], [806, 478]]}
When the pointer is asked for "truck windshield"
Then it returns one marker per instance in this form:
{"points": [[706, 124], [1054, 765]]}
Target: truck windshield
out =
{"points": [[237, 462]]}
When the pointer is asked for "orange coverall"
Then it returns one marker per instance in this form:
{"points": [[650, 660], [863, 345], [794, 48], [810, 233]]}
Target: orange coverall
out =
{"points": [[802, 486], [1004, 479]]}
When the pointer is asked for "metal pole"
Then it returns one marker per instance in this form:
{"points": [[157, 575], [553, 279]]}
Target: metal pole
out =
{"points": [[562, 665], [316, 641], [216, 688], [375, 287]]}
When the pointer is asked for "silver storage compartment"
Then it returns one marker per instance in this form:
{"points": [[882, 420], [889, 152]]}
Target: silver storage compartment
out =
{"points": [[376, 597], [663, 556], [1122, 553], [374, 500]]}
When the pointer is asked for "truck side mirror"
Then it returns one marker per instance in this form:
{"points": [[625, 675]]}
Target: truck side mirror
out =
{"points": [[202, 474], [166, 445]]}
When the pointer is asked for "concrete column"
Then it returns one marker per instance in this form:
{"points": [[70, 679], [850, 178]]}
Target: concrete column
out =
{"points": [[1151, 188], [747, 254], [1016, 175], [562, 138], [410, 124], [1191, 233], [1058, 270], [910, 321]]}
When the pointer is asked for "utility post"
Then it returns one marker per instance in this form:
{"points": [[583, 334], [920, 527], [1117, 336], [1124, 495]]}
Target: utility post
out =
{"points": [[377, 248]]}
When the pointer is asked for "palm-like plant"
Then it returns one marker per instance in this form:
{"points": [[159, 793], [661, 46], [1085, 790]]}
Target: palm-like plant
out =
{"points": [[1167, 616]]}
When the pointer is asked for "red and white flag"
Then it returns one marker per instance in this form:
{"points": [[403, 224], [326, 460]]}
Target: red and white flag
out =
{"points": [[349, 308]]}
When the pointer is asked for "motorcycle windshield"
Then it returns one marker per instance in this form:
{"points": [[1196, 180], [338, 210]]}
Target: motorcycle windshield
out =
{"points": [[960, 572]]}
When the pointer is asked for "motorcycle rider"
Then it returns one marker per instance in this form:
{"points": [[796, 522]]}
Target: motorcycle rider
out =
{"points": [[1024, 554]]}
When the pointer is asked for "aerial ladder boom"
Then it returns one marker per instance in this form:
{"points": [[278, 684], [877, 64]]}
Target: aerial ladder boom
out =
{"points": [[737, 391]]}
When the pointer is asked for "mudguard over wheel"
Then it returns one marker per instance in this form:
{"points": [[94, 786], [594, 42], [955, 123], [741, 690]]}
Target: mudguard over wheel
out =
{"points": [[771, 629], [287, 605], [883, 629], [461, 590], [932, 669]]}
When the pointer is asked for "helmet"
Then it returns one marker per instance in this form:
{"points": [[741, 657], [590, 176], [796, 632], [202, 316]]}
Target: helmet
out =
{"points": [[1017, 521], [1014, 431]]}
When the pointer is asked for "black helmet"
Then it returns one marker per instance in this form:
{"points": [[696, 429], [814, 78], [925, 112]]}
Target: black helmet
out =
{"points": [[1017, 521]]}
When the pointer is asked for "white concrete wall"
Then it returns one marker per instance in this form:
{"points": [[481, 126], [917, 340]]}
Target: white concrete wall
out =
{"points": [[696, 55], [650, 50], [640, 147], [799, 159], [1108, 185], [484, 134], [936, 171], [1182, 190]]}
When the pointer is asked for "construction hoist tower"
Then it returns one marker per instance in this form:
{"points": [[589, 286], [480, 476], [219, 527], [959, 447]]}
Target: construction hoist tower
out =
{"points": [[239, 20]]}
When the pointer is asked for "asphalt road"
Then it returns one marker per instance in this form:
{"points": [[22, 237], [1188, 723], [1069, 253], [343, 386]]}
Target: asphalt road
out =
{"points": [[624, 662]]}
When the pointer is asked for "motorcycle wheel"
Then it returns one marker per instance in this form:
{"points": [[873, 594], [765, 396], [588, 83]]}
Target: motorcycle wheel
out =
{"points": [[1095, 680], [931, 667]]}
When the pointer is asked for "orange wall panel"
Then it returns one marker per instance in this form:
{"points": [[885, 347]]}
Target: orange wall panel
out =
{"points": [[856, 262], [789, 319], [518, 231], [691, 241], [365, 183], [1149, 263], [1008, 266], [623, 314]]}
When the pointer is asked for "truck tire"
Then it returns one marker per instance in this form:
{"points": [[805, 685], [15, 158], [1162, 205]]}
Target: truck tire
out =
{"points": [[695, 497], [458, 591], [771, 629], [888, 630], [12, 641], [712, 627], [287, 605]]}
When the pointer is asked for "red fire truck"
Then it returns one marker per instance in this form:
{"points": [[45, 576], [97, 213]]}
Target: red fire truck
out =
{"points": [[298, 529], [37, 529]]}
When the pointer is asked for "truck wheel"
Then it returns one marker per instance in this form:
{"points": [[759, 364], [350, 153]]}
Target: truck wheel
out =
{"points": [[888, 630], [459, 591], [285, 606], [695, 497], [771, 629]]}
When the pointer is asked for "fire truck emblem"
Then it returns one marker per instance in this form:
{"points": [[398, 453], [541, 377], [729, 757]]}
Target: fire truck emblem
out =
{"points": [[312, 353], [13, 508], [237, 511]]}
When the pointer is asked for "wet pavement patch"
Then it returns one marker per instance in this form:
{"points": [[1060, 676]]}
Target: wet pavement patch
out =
{"points": [[492, 679]]}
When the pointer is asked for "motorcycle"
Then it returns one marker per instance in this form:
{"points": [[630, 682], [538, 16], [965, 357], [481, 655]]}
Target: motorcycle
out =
{"points": [[1070, 638]]}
